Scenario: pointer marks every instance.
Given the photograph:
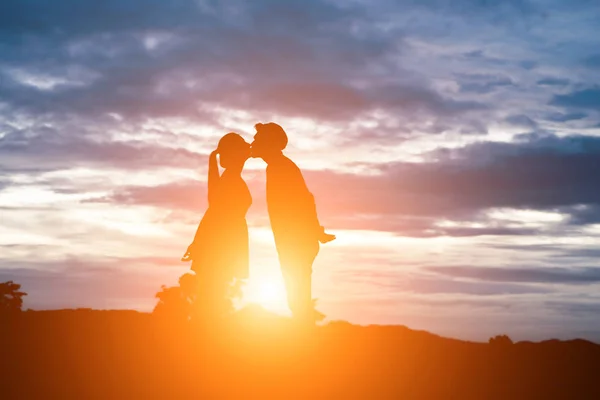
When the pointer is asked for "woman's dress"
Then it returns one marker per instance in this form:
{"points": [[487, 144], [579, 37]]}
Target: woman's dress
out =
{"points": [[220, 250]]}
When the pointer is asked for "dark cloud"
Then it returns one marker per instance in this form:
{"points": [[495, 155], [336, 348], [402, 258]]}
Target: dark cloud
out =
{"points": [[521, 120], [91, 283], [553, 250], [186, 200], [585, 99], [584, 214], [190, 196], [56, 290], [185, 195], [487, 231], [4, 183], [212, 50], [271, 58], [397, 282], [47, 149], [528, 64], [553, 81], [582, 253], [482, 56], [72, 17], [537, 172], [559, 117], [421, 227], [335, 101], [573, 276], [592, 61], [493, 11], [481, 83], [576, 309]]}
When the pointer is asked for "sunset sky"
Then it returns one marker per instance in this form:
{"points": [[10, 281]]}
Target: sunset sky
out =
{"points": [[452, 146]]}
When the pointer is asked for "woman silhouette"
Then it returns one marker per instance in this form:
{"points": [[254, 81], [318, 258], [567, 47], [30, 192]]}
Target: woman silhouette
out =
{"points": [[219, 252]]}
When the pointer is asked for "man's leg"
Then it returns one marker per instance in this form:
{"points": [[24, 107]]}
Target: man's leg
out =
{"points": [[288, 271], [304, 295], [297, 276]]}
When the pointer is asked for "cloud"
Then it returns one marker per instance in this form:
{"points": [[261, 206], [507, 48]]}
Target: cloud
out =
{"points": [[578, 309], [124, 97], [552, 251], [184, 195], [539, 172], [17, 17], [585, 99], [521, 120], [421, 227], [331, 101], [478, 8], [47, 149], [572, 276], [481, 83], [210, 50], [584, 214], [4, 183], [592, 61], [553, 81], [397, 282], [90, 283], [296, 59], [559, 117]]}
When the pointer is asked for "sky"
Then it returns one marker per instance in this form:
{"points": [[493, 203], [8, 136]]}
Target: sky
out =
{"points": [[452, 146]]}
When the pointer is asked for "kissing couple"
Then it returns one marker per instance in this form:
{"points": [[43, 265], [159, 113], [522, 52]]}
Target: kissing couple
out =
{"points": [[219, 251]]}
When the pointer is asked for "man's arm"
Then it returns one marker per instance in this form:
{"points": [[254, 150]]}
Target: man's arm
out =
{"points": [[321, 235], [303, 204]]}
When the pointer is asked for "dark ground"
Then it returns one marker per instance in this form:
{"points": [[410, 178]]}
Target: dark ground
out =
{"points": [[84, 354]]}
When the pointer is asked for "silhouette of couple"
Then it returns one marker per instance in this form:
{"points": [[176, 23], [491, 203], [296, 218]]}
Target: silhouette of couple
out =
{"points": [[219, 252]]}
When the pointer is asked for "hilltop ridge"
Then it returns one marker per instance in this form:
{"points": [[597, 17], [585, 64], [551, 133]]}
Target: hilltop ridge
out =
{"points": [[127, 354]]}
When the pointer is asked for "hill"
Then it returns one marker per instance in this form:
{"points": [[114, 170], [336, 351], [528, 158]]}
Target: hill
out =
{"points": [[91, 354]]}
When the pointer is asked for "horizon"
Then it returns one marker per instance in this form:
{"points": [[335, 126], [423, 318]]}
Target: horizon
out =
{"points": [[452, 149], [326, 322]]}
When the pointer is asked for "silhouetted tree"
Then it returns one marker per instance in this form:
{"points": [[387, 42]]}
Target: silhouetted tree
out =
{"points": [[176, 302], [11, 299], [500, 341]]}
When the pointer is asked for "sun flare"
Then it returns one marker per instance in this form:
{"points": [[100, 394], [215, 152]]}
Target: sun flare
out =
{"points": [[267, 291]]}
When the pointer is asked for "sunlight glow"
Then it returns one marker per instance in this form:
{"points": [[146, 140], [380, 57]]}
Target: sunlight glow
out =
{"points": [[266, 290]]}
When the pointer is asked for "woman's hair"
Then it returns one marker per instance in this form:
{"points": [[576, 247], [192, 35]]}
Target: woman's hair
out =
{"points": [[231, 142], [233, 148]]}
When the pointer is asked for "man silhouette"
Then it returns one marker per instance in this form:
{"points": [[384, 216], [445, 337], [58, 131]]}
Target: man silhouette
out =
{"points": [[293, 217]]}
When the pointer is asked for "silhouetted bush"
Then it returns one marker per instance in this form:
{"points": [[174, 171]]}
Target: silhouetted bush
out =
{"points": [[177, 302], [500, 341], [11, 299], [183, 302]]}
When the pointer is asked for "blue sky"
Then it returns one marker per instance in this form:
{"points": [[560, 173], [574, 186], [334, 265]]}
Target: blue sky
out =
{"points": [[453, 147]]}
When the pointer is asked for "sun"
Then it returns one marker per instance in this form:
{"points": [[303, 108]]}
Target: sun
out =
{"points": [[267, 291]]}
